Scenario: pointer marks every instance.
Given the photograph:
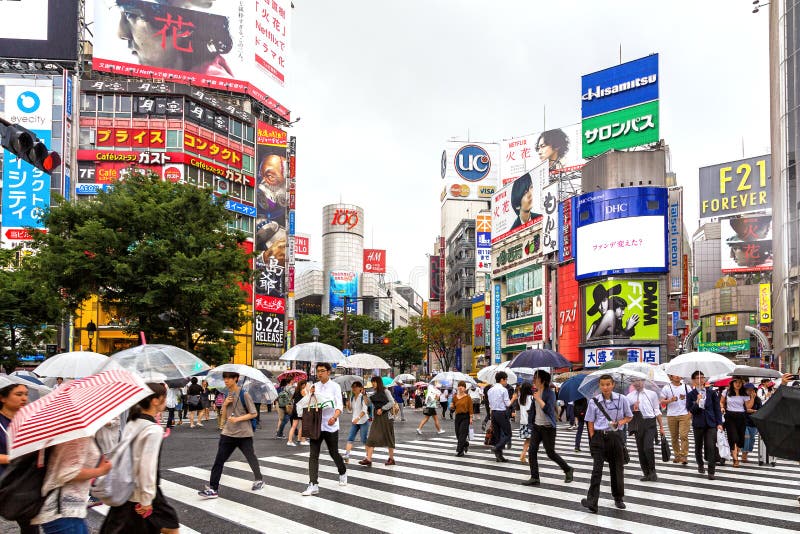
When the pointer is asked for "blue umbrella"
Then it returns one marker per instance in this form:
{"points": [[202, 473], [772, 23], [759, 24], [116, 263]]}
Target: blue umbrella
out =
{"points": [[539, 358], [569, 389]]}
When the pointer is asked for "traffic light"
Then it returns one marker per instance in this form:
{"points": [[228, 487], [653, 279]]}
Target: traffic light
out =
{"points": [[25, 145], [385, 340]]}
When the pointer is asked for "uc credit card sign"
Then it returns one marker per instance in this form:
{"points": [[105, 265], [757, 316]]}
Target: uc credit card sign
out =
{"points": [[620, 86]]}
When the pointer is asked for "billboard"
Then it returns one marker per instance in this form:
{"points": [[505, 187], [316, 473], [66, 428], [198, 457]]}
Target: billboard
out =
{"points": [[301, 247], [568, 323], [736, 187], [622, 309], [343, 284], [470, 170], [566, 249], [374, 261], [26, 190], [597, 356], [519, 204], [39, 29], [483, 243], [434, 273], [621, 231], [550, 222], [557, 147], [746, 244], [675, 236], [237, 45], [619, 106], [764, 303], [271, 234]]}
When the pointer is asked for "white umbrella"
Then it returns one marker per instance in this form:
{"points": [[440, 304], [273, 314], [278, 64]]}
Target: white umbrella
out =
{"points": [[261, 390], [346, 381], [363, 361], [754, 372], [170, 361], [214, 377], [652, 372], [313, 352], [35, 391], [708, 363], [487, 374], [451, 378], [405, 377], [76, 364], [623, 378]]}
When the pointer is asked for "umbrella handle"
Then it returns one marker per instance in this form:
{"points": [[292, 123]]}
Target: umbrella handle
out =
{"points": [[141, 336]]}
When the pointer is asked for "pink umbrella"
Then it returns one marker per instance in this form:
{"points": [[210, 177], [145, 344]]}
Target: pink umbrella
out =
{"points": [[292, 374], [74, 411]]}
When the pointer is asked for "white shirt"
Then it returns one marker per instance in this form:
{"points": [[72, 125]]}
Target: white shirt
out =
{"points": [[329, 390], [358, 405], [498, 398], [679, 406], [523, 412], [648, 402]]}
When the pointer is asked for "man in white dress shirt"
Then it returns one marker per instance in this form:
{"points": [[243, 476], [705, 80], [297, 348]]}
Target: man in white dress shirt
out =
{"points": [[326, 389], [679, 420], [498, 405], [647, 403]]}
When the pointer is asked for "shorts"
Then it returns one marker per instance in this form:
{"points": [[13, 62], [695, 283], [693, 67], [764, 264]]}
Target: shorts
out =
{"points": [[362, 429]]}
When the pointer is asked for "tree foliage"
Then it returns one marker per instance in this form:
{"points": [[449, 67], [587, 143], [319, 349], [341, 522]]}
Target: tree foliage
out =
{"points": [[406, 348], [443, 334], [159, 253]]}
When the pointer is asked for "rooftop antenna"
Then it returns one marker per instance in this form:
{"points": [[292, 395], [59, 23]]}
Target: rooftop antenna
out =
{"points": [[620, 53]]}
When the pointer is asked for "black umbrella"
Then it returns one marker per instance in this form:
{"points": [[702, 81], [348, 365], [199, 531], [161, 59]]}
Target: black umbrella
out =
{"points": [[539, 358], [778, 422]]}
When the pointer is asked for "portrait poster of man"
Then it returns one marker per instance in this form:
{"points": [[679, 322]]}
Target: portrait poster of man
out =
{"points": [[624, 309], [746, 244]]}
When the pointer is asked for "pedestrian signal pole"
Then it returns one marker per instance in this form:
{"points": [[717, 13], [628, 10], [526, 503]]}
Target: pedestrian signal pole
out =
{"points": [[24, 144]]}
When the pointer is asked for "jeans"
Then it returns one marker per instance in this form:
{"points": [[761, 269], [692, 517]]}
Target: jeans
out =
{"points": [[645, 438], [462, 431], [570, 414], [706, 437], [579, 433], [362, 429], [226, 447], [66, 525], [258, 412], [331, 440], [285, 417], [502, 428], [606, 447], [750, 433], [545, 435]]}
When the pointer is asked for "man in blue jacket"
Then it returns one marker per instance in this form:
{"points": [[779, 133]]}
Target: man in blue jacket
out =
{"points": [[703, 404]]}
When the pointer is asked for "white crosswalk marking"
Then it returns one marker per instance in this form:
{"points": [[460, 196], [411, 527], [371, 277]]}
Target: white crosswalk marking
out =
{"points": [[432, 491]]}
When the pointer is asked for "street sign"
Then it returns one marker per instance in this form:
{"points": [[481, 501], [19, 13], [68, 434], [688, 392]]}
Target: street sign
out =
{"points": [[347, 352], [365, 336]]}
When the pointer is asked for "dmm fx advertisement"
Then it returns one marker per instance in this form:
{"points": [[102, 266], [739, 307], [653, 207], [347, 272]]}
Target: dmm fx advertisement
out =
{"points": [[736, 187], [624, 309], [621, 231]]}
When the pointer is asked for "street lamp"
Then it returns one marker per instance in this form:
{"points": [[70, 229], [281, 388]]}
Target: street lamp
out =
{"points": [[315, 333], [91, 328]]}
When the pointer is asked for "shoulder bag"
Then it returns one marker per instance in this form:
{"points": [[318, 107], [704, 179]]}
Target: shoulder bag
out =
{"points": [[312, 419], [626, 458]]}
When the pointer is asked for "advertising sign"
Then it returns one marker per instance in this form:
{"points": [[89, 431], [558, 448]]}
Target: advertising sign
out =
{"points": [[468, 169], [568, 322], [621, 231], [550, 222], [557, 147], [626, 128], [739, 345], [237, 45], [268, 329], [736, 187], [675, 235], [764, 303], [746, 244], [343, 284], [301, 247], [374, 261], [620, 86], [26, 190], [483, 243], [39, 29], [519, 204], [498, 333], [478, 323], [597, 356], [727, 319], [622, 309], [434, 272], [565, 235]]}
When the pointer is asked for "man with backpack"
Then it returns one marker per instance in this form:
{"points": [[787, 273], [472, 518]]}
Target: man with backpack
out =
{"points": [[238, 410], [285, 393]]}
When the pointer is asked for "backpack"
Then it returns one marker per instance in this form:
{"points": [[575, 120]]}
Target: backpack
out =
{"points": [[253, 421], [21, 487], [284, 399], [116, 487]]}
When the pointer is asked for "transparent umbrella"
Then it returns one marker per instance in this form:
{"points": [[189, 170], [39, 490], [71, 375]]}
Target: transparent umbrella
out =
{"points": [[313, 352], [77, 364], [170, 361], [35, 391], [405, 378], [451, 379], [623, 379], [214, 377], [487, 374], [363, 361], [346, 381]]}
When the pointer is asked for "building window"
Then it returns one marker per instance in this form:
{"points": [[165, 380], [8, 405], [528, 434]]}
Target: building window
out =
{"points": [[175, 139], [88, 103], [86, 138], [247, 163], [105, 105], [123, 106]]}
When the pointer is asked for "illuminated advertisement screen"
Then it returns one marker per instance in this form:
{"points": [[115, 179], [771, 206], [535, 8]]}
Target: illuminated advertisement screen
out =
{"points": [[343, 284], [39, 29], [621, 231], [621, 309], [746, 244]]}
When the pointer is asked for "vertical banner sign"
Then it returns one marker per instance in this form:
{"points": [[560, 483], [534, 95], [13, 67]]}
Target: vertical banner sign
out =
{"points": [[764, 303], [26, 190], [568, 323], [550, 223], [374, 261], [565, 241], [685, 294], [271, 237], [435, 290], [675, 244], [497, 332], [441, 276], [483, 243]]}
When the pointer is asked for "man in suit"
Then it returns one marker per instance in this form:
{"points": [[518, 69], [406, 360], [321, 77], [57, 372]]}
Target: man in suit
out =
{"points": [[703, 404]]}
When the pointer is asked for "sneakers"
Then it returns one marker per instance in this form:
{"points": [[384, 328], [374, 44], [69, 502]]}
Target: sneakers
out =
{"points": [[441, 431], [419, 431], [291, 444], [312, 489], [305, 442], [346, 456], [257, 485], [208, 493], [199, 423], [343, 480], [569, 475]]}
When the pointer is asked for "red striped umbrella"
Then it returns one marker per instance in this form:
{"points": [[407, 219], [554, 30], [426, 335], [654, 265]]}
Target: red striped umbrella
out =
{"points": [[74, 411]]}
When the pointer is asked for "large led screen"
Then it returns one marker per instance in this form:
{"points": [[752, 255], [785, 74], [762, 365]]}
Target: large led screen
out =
{"points": [[39, 29], [621, 309]]}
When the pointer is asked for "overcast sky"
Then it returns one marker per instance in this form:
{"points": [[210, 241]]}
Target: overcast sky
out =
{"points": [[381, 86]]}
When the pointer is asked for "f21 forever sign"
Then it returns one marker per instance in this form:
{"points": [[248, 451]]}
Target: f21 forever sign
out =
{"points": [[735, 187]]}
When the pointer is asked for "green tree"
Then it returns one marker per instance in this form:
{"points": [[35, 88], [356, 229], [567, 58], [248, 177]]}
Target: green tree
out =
{"points": [[159, 253], [443, 334], [405, 348], [331, 331], [26, 308]]}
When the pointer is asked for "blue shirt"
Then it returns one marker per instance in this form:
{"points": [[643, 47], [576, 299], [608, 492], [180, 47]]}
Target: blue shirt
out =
{"points": [[397, 393], [5, 422], [617, 407]]}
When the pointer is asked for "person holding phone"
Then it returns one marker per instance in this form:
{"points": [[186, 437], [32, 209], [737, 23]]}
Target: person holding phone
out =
{"points": [[679, 420], [703, 403]]}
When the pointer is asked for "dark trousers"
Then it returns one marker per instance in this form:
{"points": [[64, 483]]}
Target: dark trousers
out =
{"points": [[185, 410], [444, 408], [462, 431], [170, 417], [226, 447], [645, 440], [571, 414], [706, 438], [606, 447], [501, 427], [579, 433], [258, 412], [331, 440], [545, 435]]}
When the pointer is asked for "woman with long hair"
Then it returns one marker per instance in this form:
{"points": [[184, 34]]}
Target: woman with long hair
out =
{"points": [[752, 405], [299, 393], [205, 402], [525, 403], [146, 510], [12, 399], [429, 409], [381, 433], [462, 406], [358, 403], [733, 403]]}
